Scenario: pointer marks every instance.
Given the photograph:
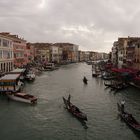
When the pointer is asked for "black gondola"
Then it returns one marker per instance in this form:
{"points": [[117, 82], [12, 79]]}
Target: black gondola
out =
{"points": [[74, 110], [85, 80], [119, 86], [129, 119]]}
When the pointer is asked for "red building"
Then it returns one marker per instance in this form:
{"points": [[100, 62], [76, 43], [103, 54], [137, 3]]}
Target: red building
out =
{"points": [[29, 53]]}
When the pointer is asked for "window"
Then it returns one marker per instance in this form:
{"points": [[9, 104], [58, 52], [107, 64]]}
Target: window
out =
{"points": [[0, 41], [5, 43], [0, 53]]}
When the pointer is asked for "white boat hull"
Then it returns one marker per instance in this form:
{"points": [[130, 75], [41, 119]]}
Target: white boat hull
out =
{"points": [[19, 99]]}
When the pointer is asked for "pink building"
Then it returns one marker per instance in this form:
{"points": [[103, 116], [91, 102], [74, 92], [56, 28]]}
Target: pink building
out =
{"points": [[29, 53], [19, 47]]}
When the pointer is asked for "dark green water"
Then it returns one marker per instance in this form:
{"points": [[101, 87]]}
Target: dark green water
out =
{"points": [[48, 120]]}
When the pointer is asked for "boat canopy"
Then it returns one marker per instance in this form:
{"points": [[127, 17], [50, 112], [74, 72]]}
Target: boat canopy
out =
{"points": [[9, 77], [137, 78], [124, 70], [18, 71]]}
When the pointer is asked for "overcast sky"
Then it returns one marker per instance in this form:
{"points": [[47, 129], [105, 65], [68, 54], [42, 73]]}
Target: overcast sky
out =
{"points": [[92, 24]]}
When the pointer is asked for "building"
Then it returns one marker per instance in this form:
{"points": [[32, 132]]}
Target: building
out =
{"points": [[29, 53], [6, 54], [122, 45], [19, 46], [42, 52], [127, 52], [114, 54], [81, 56], [69, 52], [137, 56], [55, 54]]}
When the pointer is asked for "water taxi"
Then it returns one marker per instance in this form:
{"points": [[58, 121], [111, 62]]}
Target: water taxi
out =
{"points": [[22, 97]]}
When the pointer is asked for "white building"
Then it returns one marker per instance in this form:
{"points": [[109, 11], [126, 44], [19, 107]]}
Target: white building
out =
{"points": [[76, 55], [55, 54], [6, 54]]}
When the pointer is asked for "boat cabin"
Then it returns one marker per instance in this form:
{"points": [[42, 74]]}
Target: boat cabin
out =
{"points": [[10, 83], [49, 66], [19, 71]]}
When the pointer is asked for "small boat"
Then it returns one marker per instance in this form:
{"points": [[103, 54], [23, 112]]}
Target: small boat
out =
{"points": [[94, 74], [75, 111], [129, 119], [22, 97], [107, 84], [50, 67], [30, 76], [85, 80], [119, 86], [108, 77], [134, 85]]}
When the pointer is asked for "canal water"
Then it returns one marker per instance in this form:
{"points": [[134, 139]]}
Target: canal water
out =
{"points": [[49, 120]]}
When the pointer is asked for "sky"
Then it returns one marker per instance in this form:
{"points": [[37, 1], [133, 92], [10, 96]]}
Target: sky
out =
{"points": [[92, 24]]}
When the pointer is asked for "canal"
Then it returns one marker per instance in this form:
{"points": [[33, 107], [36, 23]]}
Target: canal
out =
{"points": [[49, 120]]}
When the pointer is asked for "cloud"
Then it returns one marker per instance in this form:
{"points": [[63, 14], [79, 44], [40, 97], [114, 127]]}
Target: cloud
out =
{"points": [[92, 24]]}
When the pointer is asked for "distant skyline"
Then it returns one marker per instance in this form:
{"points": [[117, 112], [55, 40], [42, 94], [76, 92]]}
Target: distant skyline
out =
{"points": [[92, 24]]}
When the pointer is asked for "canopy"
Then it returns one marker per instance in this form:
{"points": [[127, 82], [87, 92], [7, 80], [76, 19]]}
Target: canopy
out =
{"points": [[124, 70], [137, 78], [9, 77], [17, 71]]}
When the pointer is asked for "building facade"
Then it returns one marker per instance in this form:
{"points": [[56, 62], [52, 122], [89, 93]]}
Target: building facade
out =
{"points": [[19, 46], [6, 54]]}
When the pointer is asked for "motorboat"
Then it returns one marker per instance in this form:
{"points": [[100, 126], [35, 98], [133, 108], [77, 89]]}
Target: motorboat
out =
{"points": [[30, 76], [22, 97]]}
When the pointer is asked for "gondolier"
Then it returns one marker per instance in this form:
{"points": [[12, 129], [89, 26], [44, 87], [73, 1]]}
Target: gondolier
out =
{"points": [[122, 105], [74, 109], [128, 118]]}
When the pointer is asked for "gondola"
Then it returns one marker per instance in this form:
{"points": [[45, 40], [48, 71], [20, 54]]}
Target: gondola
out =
{"points": [[107, 84], [85, 81], [129, 119], [75, 111], [119, 86]]}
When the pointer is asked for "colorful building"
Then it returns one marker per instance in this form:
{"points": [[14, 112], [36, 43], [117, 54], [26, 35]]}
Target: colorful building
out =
{"points": [[19, 47], [6, 54], [42, 52]]}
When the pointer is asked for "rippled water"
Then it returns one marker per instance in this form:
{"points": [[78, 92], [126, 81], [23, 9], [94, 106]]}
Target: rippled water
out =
{"points": [[49, 120]]}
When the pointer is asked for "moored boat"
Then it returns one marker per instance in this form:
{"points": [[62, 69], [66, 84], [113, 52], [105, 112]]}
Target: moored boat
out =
{"points": [[50, 67], [22, 97], [74, 110], [30, 76], [128, 119], [119, 86]]}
